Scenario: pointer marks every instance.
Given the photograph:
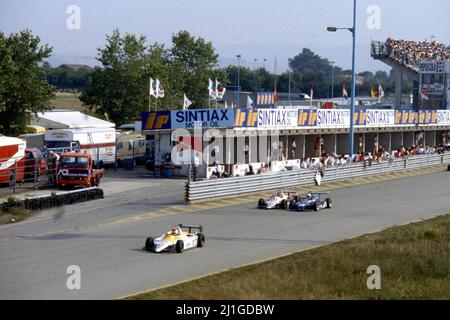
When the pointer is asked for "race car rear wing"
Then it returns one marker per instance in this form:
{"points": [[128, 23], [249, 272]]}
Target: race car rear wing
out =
{"points": [[189, 227]]}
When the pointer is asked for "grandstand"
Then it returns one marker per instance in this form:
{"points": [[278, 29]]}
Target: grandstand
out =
{"points": [[427, 64]]}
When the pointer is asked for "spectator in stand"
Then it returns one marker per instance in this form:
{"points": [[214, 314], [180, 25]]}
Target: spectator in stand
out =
{"points": [[304, 164], [361, 157], [410, 53]]}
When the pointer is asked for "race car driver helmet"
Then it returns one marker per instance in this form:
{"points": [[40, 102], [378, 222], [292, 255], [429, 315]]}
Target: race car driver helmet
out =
{"points": [[309, 195], [176, 231], [280, 194]]}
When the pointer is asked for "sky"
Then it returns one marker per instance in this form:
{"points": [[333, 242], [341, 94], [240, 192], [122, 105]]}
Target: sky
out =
{"points": [[256, 29]]}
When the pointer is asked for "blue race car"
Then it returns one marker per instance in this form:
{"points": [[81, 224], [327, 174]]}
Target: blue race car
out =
{"points": [[311, 201]]}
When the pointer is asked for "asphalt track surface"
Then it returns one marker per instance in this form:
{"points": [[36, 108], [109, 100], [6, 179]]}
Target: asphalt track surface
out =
{"points": [[105, 237]]}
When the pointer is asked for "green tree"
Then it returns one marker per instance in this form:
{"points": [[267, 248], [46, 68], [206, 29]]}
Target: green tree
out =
{"points": [[197, 61], [23, 89], [120, 87]]}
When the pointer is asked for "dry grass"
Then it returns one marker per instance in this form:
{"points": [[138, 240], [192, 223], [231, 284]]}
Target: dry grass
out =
{"points": [[414, 261], [14, 214], [66, 100]]}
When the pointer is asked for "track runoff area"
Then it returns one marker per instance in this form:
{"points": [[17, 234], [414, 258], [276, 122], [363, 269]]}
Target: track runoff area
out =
{"points": [[248, 204]]}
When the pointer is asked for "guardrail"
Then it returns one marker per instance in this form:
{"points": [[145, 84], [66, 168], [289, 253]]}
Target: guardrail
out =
{"points": [[218, 188]]}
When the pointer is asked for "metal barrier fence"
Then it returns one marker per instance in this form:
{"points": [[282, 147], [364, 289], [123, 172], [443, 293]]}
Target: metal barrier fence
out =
{"points": [[26, 174], [197, 191]]}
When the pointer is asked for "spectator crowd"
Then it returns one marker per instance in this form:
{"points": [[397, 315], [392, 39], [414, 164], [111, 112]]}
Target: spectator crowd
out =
{"points": [[410, 53]]}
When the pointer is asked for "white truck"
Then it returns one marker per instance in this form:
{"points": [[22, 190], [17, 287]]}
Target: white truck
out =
{"points": [[99, 142]]}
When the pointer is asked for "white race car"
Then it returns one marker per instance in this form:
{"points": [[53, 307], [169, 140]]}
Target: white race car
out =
{"points": [[279, 200], [177, 240]]}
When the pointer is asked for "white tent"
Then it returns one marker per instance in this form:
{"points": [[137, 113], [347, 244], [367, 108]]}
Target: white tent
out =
{"points": [[68, 120]]}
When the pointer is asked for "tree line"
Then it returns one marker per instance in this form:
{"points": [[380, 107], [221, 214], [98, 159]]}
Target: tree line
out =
{"points": [[120, 86]]}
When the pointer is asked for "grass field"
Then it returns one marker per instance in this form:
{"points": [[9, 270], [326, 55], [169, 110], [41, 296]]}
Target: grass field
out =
{"points": [[414, 260], [66, 100]]}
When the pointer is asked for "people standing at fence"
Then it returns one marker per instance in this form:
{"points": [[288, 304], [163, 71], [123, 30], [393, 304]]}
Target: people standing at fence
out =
{"points": [[360, 143], [375, 143], [196, 161]]}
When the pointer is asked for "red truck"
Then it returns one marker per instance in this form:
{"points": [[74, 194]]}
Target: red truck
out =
{"points": [[77, 169]]}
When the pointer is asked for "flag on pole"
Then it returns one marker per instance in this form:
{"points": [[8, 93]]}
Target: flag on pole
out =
{"points": [[373, 92], [186, 102], [220, 91], [152, 88], [275, 92], [344, 92], [249, 103], [380, 92], [159, 89], [211, 92], [226, 105]]}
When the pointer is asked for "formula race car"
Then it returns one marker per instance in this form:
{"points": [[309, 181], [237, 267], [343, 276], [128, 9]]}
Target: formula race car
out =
{"points": [[311, 201], [180, 238], [280, 200]]}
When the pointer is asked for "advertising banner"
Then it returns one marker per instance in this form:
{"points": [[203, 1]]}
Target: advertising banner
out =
{"points": [[405, 117], [376, 118], [276, 118], [265, 99], [155, 120], [307, 118], [204, 118], [245, 118], [333, 118], [427, 117], [443, 117]]}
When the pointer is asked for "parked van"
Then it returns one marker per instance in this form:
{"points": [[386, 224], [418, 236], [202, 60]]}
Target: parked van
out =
{"points": [[99, 142], [130, 145]]}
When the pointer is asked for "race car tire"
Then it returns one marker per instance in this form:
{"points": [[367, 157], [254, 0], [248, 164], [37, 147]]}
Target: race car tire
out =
{"points": [[201, 240], [283, 204], [149, 244], [315, 207], [292, 204], [328, 200], [179, 246], [261, 202]]}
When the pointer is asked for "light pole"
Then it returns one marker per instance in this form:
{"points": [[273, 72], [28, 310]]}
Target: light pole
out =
{"points": [[254, 74], [238, 79], [289, 72], [264, 63], [352, 111], [332, 79]]}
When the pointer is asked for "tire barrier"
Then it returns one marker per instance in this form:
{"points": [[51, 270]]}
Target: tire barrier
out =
{"points": [[204, 190], [56, 200]]}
